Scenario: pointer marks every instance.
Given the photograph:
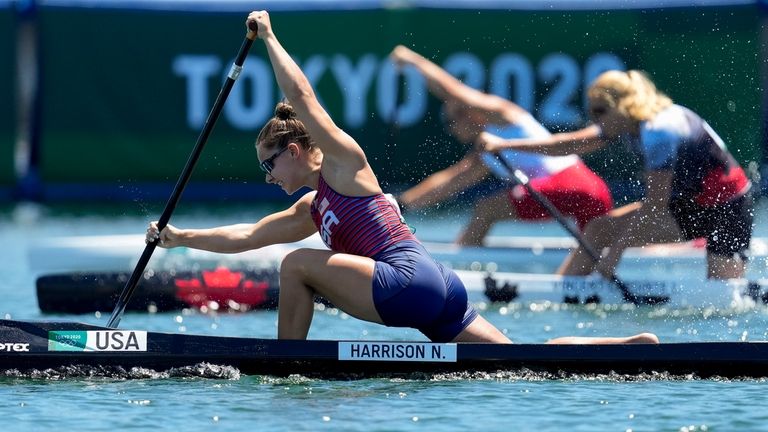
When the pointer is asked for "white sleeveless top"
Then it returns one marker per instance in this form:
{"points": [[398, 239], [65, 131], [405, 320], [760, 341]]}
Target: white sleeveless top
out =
{"points": [[533, 165]]}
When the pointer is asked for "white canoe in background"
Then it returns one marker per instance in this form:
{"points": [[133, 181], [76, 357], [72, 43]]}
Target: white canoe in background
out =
{"points": [[554, 249], [536, 254], [697, 292], [122, 252]]}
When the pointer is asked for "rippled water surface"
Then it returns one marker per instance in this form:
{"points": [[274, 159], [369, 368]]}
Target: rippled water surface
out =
{"points": [[213, 398]]}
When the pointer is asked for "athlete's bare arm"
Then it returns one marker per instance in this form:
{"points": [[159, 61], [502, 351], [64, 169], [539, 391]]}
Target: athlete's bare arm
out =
{"points": [[579, 142]]}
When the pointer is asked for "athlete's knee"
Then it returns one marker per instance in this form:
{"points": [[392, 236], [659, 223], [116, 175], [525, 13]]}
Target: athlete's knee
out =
{"points": [[599, 226], [726, 266], [591, 229], [295, 263]]}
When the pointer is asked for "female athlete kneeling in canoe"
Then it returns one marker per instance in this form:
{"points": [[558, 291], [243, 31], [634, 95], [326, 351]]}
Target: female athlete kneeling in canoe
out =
{"points": [[376, 270]]}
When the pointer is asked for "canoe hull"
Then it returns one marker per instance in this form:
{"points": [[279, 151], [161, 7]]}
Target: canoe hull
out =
{"points": [[29, 345]]}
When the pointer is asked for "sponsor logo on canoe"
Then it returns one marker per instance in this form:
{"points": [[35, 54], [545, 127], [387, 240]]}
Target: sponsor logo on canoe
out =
{"points": [[397, 351], [97, 340], [588, 286], [14, 347]]}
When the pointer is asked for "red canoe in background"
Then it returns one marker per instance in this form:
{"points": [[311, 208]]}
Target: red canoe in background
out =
{"points": [[220, 289]]}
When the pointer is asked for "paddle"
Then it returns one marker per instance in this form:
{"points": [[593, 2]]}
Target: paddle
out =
{"points": [[518, 177], [186, 173]]}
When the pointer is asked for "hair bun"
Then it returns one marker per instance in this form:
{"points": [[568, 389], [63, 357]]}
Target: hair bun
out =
{"points": [[283, 111]]}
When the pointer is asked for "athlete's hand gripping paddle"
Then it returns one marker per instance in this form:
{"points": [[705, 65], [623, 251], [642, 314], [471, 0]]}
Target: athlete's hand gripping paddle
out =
{"points": [[186, 173]]}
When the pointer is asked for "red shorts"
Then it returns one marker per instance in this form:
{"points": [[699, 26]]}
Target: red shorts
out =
{"points": [[576, 191]]}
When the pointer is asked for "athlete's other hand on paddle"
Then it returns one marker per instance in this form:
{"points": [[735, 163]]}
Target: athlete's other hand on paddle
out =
{"points": [[168, 238], [488, 142]]}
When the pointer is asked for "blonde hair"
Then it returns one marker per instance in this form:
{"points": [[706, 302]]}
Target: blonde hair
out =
{"points": [[282, 129], [632, 93]]}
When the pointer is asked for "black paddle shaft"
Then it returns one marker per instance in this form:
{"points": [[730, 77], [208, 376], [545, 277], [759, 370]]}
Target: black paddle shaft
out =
{"points": [[186, 173], [520, 178]]}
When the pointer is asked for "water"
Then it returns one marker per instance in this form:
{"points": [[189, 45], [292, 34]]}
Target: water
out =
{"points": [[216, 399]]}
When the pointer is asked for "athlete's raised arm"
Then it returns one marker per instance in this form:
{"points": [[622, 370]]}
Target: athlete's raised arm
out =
{"points": [[448, 88], [334, 142]]}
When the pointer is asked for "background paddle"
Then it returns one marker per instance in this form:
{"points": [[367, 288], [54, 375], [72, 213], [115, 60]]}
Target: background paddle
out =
{"points": [[518, 177], [186, 173]]}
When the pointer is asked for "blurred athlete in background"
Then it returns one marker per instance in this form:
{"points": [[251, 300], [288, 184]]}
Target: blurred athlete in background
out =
{"points": [[694, 188], [566, 181]]}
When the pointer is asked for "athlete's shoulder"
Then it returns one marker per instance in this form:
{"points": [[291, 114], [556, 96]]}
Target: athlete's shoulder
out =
{"points": [[672, 118], [306, 200]]}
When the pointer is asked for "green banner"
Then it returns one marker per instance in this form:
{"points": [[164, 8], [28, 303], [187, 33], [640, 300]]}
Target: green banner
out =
{"points": [[7, 96], [127, 92]]}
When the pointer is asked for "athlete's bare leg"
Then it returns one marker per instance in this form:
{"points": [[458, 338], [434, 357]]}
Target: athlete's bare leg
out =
{"points": [[600, 233], [487, 212], [344, 280], [642, 338], [480, 330], [725, 267]]}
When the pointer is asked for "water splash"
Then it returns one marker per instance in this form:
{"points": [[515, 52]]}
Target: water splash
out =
{"points": [[200, 370]]}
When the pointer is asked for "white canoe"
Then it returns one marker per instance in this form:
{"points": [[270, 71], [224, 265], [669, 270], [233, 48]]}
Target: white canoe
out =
{"points": [[121, 252], [697, 292]]}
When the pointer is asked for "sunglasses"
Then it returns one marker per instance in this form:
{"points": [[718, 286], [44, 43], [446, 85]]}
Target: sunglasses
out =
{"points": [[268, 164]]}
